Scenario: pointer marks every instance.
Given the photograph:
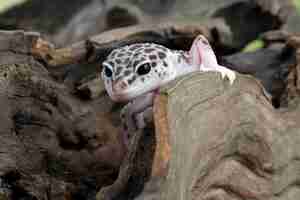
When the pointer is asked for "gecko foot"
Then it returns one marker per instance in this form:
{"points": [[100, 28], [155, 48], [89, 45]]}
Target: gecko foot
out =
{"points": [[225, 72], [145, 117]]}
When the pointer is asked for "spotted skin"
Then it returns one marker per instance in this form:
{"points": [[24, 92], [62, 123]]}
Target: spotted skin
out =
{"points": [[135, 72], [124, 63]]}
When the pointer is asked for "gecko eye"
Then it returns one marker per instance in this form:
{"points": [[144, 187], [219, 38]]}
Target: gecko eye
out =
{"points": [[144, 69], [108, 72]]}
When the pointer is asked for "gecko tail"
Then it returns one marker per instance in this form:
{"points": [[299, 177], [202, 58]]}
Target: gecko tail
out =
{"points": [[201, 53]]}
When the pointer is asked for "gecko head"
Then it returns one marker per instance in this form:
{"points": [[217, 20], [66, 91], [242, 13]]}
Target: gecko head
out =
{"points": [[136, 69]]}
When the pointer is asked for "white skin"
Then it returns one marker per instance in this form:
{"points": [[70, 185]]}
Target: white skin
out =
{"points": [[141, 92]]}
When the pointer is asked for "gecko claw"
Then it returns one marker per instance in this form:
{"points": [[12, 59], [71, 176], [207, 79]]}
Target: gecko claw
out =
{"points": [[225, 72]]}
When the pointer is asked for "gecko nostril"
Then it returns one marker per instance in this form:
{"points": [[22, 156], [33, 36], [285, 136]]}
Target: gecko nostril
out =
{"points": [[123, 85], [119, 85]]}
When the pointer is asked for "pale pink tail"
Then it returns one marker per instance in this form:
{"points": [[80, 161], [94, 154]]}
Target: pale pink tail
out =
{"points": [[202, 54]]}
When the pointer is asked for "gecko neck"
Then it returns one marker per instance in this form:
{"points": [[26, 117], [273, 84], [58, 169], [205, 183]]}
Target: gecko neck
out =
{"points": [[182, 64]]}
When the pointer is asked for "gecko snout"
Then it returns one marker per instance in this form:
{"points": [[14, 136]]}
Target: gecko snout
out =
{"points": [[119, 85]]}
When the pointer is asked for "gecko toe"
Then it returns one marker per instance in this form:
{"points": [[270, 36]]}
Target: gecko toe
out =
{"points": [[231, 77], [225, 72]]}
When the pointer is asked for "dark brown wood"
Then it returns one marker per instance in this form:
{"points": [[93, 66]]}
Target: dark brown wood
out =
{"points": [[50, 139], [126, 171]]}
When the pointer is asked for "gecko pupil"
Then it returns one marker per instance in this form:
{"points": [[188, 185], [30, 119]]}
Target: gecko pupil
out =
{"points": [[144, 69], [108, 72]]}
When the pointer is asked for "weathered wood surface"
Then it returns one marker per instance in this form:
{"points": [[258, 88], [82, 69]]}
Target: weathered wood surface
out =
{"points": [[226, 142], [49, 138], [171, 34], [270, 65], [292, 92], [218, 128]]}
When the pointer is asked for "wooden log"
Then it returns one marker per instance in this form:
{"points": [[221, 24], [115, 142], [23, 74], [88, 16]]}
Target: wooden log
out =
{"points": [[226, 141]]}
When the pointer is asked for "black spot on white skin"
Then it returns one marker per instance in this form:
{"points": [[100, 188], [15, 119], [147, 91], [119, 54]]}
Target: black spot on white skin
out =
{"points": [[140, 50], [134, 47], [118, 61], [120, 55], [143, 79], [153, 64], [149, 50], [136, 63], [118, 71], [126, 60], [131, 80], [161, 55], [128, 53], [127, 72], [112, 64], [152, 57], [113, 54], [165, 64]]}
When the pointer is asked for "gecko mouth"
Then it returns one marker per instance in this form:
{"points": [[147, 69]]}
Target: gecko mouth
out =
{"points": [[120, 97], [127, 96], [124, 96]]}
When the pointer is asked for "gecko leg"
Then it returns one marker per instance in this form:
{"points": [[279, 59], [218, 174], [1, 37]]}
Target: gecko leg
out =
{"points": [[143, 118], [133, 116]]}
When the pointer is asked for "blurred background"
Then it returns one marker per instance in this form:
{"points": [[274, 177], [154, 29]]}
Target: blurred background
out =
{"points": [[69, 21]]}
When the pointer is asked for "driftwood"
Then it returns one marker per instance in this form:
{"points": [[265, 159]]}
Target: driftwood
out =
{"points": [[218, 145], [228, 142], [50, 139], [270, 65], [98, 47], [235, 22]]}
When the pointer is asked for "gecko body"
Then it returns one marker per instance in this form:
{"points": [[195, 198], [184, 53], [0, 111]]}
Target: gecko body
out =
{"points": [[134, 73]]}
